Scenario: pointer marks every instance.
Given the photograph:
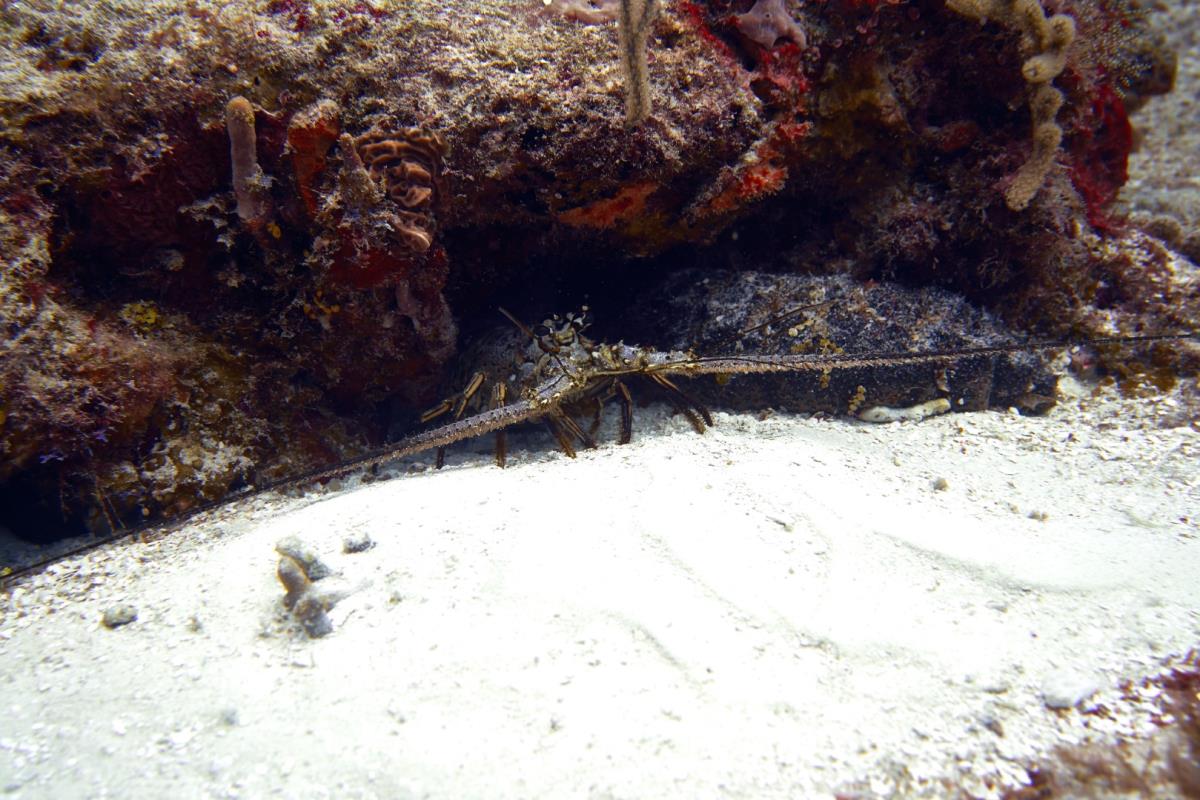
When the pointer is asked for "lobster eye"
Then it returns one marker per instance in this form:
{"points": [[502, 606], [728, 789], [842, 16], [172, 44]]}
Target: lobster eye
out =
{"points": [[546, 337]]}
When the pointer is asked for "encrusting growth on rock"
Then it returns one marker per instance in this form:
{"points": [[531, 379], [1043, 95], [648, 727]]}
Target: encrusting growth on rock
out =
{"points": [[407, 167], [357, 189], [1045, 42], [768, 22], [589, 13]]}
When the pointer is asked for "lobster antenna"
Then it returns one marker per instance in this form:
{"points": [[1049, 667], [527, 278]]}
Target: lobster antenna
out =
{"points": [[780, 319], [785, 317], [525, 329], [809, 363]]}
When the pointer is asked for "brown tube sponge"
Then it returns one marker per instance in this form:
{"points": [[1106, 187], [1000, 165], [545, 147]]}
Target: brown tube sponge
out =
{"points": [[249, 183]]}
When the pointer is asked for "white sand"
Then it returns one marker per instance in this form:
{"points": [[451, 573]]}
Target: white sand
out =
{"points": [[781, 607]]}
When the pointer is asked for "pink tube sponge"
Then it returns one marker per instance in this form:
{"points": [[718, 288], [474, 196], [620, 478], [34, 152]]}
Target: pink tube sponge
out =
{"points": [[768, 22]]}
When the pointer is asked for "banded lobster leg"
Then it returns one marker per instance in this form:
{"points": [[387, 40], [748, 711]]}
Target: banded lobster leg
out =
{"points": [[459, 407], [616, 388], [561, 424], [696, 413]]}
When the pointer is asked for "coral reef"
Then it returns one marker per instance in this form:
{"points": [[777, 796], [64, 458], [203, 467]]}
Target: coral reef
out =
{"points": [[260, 260]]}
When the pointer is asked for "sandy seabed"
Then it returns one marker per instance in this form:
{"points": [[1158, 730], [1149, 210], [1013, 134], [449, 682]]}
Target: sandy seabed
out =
{"points": [[783, 607], [780, 607]]}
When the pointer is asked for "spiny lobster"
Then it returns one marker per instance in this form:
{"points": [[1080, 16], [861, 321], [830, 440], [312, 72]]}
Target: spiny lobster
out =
{"points": [[560, 374]]}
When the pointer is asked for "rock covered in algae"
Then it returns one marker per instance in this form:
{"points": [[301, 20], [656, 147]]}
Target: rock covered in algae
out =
{"points": [[210, 280], [750, 313]]}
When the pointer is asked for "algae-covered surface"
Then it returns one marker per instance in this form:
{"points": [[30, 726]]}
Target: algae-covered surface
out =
{"points": [[244, 240]]}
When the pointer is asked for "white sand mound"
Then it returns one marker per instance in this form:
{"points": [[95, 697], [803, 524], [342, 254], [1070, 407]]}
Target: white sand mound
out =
{"points": [[783, 607]]}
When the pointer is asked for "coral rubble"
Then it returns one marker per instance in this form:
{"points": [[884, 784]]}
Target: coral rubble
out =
{"points": [[299, 570]]}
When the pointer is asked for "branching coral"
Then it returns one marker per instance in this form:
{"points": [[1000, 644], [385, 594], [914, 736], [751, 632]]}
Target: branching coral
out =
{"points": [[634, 18], [1044, 42], [1047, 136]]}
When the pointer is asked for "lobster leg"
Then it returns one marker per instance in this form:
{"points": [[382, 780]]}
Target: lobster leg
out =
{"points": [[556, 428], [499, 398], [458, 407], [572, 427], [696, 413], [626, 401]]}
